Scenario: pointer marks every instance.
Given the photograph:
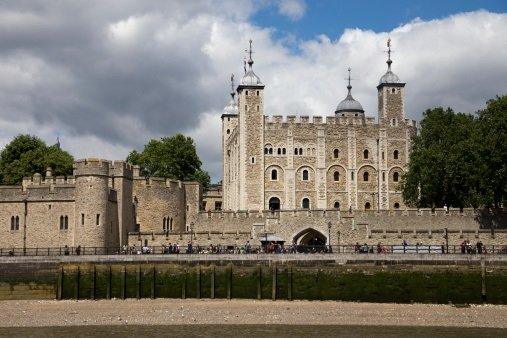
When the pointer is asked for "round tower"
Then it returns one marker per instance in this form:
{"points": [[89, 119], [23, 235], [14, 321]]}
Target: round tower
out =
{"points": [[92, 228]]}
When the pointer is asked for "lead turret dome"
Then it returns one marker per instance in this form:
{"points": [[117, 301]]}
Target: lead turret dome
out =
{"points": [[349, 106]]}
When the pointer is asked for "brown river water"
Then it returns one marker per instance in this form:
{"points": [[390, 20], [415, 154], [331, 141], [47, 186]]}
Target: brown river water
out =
{"points": [[250, 331]]}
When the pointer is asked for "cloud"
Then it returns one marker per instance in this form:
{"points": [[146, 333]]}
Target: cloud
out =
{"points": [[293, 9], [111, 78]]}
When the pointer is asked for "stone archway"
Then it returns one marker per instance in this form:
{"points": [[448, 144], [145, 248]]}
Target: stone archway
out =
{"points": [[274, 203], [310, 240]]}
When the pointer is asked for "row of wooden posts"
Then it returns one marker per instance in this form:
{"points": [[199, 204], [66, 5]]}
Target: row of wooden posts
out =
{"points": [[59, 289]]}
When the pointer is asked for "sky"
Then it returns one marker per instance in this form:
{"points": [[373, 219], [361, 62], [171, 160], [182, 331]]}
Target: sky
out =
{"points": [[107, 76]]}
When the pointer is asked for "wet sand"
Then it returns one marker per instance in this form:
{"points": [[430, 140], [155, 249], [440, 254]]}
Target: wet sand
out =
{"points": [[33, 313]]}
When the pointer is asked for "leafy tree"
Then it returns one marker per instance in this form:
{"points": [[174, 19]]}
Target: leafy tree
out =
{"points": [[171, 157], [459, 159], [26, 155]]}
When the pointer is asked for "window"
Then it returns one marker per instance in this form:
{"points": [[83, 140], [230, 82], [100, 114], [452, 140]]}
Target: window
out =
{"points": [[204, 205], [257, 108], [305, 175], [228, 153], [365, 154], [266, 151], [382, 155], [228, 131], [246, 92], [395, 154], [366, 176], [396, 205], [82, 219], [163, 225], [336, 153], [218, 205], [367, 206], [305, 203], [393, 90], [300, 151], [270, 151], [64, 222], [396, 177], [274, 203], [351, 175], [284, 151], [253, 160], [257, 93], [337, 205], [171, 224], [296, 151], [97, 219], [336, 176], [274, 175], [279, 151], [383, 177], [14, 223], [49, 207]]}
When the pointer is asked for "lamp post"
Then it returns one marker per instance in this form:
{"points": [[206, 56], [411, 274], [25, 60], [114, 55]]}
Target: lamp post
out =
{"points": [[329, 236]]}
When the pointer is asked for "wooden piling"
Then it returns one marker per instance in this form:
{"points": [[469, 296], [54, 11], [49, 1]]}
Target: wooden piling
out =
{"points": [[59, 287], [138, 282], [153, 277], [483, 281], [94, 282], [274, 286], [124, 282], [76, 288], [184, 285], [108, 282], [259, 281], [212, 286], [289, 282], [229, 281], [198, 281]]}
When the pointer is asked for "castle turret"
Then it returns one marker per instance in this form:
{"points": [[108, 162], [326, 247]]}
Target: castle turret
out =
{"points": [[123, 184], [251, 123], [391, 95], [229, 126], [93, 224], [349, 106]]}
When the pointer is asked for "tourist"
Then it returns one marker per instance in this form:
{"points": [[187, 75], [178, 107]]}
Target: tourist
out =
{"points": [[357, 247], [189, 248], [66, 250], [442, 248], [78, 250], [479, 247]]}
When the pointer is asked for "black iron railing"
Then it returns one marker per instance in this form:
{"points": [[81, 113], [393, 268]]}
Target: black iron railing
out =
{"points": [[259, 249]]}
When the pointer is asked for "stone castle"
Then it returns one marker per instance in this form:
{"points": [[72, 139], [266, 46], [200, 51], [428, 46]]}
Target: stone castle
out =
{"points": [[297, 180]]}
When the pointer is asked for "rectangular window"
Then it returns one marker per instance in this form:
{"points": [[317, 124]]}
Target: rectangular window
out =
{"points": [[218, 206], [82, 219], [204, 205], [97, 221]]}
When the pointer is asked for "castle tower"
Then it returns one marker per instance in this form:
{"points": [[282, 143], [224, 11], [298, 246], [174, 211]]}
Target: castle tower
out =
{"points": [[349, 106], [122, 173], [92, 223], [251, 131], [229, 152], [391, 95]]}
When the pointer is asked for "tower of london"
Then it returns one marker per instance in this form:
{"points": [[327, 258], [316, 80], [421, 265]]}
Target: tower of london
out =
{"points": [[346, 161]]}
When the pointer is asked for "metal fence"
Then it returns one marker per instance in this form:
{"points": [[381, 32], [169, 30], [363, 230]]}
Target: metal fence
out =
{"points": [[259, 249]]}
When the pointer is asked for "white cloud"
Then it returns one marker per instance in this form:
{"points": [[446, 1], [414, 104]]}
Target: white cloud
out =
{"points": [[115, 76], [293, 9]]}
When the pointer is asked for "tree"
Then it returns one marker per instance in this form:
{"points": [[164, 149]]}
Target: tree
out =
{"points": [[170, 157], [26, 155], [459, 159]]}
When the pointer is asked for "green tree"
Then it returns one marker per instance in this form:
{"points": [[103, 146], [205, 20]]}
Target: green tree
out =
{"points": [[26, 155], [492, 137], [170, 157]]}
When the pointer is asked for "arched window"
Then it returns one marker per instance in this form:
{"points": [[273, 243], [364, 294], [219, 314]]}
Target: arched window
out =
{"points": [[395, 154], [300, 151], [383, 177], [66, 222], [228, 131], [284, 151], [279, 151], [163, 225], [352, 176], [396, 205], [337, 205], [396, 177], [336, 153], [61, 222], [274, 203], [270, 151], [305, 175], [366, 176], [336, 176], [296, 152], [305, 203], [365, 154], [171, 224], [367, 206], [265, 151], [393, 90], [274, 175]]}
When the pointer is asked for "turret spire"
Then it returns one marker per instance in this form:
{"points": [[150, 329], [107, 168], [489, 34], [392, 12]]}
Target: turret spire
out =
{"points": [[349, 87], [233, 93], [249, 79], [389, 61], [250, 61]]}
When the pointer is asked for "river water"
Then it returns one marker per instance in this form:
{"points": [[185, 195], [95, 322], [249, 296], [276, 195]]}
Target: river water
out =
{"points": [[250, 331]]}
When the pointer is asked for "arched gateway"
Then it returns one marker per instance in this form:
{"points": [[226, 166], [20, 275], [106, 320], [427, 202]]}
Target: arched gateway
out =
{"points": [[310, 240]]}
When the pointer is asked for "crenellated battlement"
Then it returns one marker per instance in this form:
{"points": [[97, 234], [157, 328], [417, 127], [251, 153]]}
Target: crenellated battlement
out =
{"points": [[92, 167], [285, 121], [160, 182], [122, 169]]}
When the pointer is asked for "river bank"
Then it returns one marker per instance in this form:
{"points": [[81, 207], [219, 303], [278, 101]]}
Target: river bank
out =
{"points": [[52, 313]]}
